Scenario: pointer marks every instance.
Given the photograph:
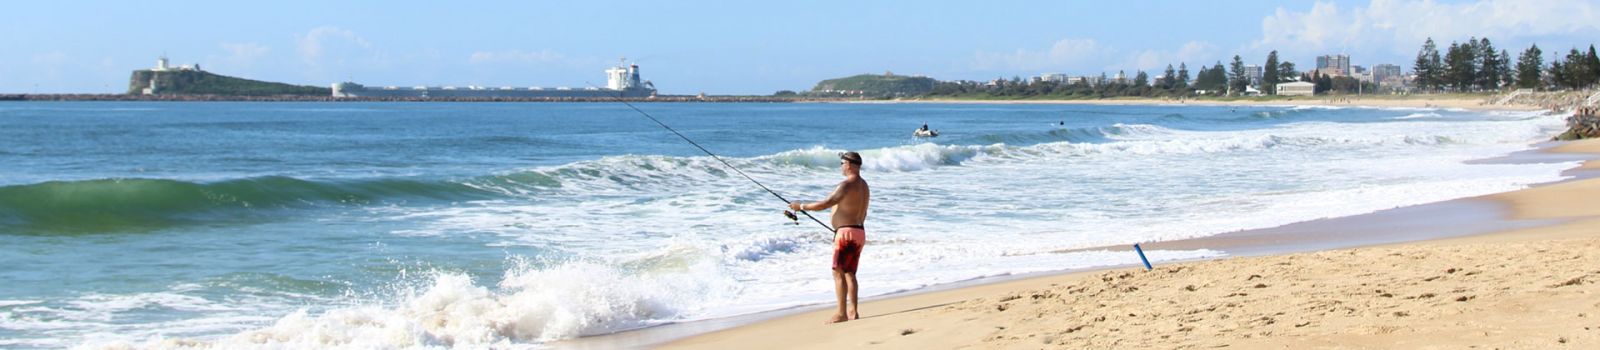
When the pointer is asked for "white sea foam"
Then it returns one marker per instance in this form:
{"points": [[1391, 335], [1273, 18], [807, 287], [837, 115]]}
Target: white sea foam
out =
{"points": [[1418, 116], [528, 305], [1306, 107], [58, 325], [5, 303]]}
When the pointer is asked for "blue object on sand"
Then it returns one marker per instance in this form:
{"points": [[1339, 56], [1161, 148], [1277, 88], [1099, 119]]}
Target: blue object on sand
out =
{"points": [[1141, 256]]}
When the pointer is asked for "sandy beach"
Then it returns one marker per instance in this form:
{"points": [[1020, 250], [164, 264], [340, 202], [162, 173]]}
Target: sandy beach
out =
{"points": [[1532, 288]]}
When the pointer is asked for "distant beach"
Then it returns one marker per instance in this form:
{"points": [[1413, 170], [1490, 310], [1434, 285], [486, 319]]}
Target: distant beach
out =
{"points": [[1387, 101]]}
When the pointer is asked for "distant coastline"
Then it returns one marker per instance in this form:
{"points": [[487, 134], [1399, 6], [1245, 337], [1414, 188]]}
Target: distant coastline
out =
{"points": [[1521, 100], [1461, 101], [303, 98]]}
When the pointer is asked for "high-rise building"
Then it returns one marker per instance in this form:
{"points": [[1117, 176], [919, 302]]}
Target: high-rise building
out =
{"points": [[1385, 73], [1334, 65], [1253, 72]]}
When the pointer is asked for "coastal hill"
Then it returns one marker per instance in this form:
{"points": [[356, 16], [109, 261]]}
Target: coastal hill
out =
{"points": [[887, 84], [198, 82]]}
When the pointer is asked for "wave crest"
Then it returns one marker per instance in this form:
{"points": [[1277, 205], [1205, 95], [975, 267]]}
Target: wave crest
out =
{"points": [[142, 204], [529, 305]]}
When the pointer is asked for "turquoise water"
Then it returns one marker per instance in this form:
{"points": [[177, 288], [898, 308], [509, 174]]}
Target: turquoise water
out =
{"points": [[381, 225]]}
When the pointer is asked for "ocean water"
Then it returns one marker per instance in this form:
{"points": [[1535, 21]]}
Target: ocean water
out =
{"points": [[440, 225]]}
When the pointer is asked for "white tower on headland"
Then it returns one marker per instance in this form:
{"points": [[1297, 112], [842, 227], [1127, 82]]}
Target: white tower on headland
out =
{"points": [[162, 66]]}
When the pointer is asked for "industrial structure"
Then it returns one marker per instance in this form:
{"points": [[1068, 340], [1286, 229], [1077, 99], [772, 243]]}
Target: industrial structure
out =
{"points": [[621, 81]]}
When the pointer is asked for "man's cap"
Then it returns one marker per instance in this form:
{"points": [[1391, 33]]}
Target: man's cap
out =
{"points": [[852, 157]]}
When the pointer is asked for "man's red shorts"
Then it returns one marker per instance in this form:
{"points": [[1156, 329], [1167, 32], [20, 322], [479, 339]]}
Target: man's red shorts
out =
{"points": [[847, 248]]}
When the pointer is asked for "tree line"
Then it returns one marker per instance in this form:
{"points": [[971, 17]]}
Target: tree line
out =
{"points": [[1212, 80], [1477, 66]]}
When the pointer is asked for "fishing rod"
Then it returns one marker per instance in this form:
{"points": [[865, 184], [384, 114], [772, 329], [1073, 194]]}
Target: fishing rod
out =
{"points": [[786, 213]]}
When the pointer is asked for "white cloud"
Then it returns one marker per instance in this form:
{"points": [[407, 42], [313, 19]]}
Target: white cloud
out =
{"points": [[1398, 26], [242, 54], [1144, 60], [1064, 54], [327, 42], [514, 56], [1193, 53], [1089, 56]]}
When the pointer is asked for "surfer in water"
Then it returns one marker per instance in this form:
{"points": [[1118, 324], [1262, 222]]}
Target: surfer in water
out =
{"points": [[849, 201]]}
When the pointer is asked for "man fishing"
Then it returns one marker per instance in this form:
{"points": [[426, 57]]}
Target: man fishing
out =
{"points": [[849, 201], [848, 235]]}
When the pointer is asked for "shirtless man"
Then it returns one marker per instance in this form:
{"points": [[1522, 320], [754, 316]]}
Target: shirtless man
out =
{"points": [[849, 235]]}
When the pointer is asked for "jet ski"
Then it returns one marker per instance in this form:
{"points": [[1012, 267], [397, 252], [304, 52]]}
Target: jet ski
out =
{"points": [[925, 133]]}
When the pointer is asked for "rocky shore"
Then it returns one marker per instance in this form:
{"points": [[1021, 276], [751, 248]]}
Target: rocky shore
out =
{"points": [[1584, 104], [1551, 100], [1583, 124]]}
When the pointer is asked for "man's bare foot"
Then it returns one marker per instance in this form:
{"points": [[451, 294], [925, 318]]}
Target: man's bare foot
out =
{"points": [[837, 318], [855, 315]]}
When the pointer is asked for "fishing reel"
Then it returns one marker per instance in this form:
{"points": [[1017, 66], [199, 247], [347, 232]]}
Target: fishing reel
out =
{"points": [[791, 216]]}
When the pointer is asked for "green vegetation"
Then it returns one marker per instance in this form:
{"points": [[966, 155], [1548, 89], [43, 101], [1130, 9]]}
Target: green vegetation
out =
{"points": [[1477, 66], [870, 85], [1578, 71], [1269, 74], [190, 82], [1017, 89], [1473, 67], [1237, 80], [1528, 66]]}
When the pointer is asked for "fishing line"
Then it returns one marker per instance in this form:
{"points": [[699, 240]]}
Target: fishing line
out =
{"points": [[791, 216]]}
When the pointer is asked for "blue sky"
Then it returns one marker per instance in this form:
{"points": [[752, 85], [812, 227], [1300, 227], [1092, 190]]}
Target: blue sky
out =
{"points": [[731, 47]]}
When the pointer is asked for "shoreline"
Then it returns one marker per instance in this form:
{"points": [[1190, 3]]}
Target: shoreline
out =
{"points": [[801, 324], [1477, 303], [1455, 101], [319, 98], [1374, 101]]}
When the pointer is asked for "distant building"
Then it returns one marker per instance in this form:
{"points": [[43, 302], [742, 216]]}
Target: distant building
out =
{"points": [[622, 81], [1360, 73], [1336, 65], [1387, 74], [1053, 77], [1253, 72], [1096, 80], [162, 66], [1298, 88]]}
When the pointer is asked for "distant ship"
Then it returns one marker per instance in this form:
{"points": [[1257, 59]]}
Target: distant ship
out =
{"points": [[621, 81]]}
